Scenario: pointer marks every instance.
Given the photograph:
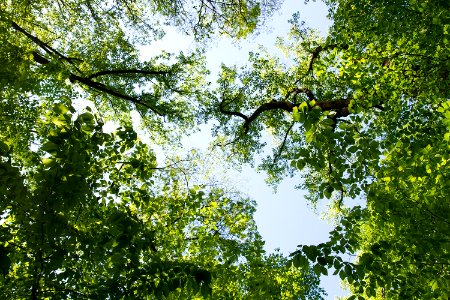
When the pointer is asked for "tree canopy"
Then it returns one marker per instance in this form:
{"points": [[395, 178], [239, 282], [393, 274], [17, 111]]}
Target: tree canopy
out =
{"points": [[360, 114]]}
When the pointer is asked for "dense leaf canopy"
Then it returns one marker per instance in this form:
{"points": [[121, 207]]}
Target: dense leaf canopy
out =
{"points": [[361, 114], [87, 213]]}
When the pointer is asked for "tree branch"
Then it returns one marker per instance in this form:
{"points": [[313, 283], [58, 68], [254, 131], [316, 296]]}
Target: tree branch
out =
{"points": [[37, 41], [231, 113], [340, 106], [103, 88], [44, 46], [128, 71], [282, 144], [318, 50], [88, 80]]}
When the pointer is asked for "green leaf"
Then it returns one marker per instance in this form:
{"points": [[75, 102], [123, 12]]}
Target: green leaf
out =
{"points": [[300, 261], [322, 261], [328, 192], [301, 163], [50, 147], [205, 290], [317, 270], [60, 109], [303, 107], [49, 162], [86, 117], [342, 275], [348, 270], [311, 252], [328, 122]]}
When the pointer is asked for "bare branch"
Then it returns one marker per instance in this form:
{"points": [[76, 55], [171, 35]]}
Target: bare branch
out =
{"points": [[282, 144]]}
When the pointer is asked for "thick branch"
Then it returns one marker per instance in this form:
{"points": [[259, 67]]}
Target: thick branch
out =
{"points": [[128, 71], [340, 106], [88, 81], [103, 88], [44, 46], [272, 105], [231, 113]]}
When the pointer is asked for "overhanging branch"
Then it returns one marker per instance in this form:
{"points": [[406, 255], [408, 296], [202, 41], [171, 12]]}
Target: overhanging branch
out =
{"points": [[87, 81], [128, 71], [103, 88], [340, 106], [44, 46]]}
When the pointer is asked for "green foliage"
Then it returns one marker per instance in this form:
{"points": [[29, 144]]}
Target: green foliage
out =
{"points": [[363, 113], [88, 214], [370, 109]]}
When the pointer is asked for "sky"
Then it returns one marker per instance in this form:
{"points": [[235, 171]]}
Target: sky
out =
{"points": [[284, 219]]}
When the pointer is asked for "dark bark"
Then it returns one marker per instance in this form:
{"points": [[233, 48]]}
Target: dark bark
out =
{"points": [[318, 50], [128, 71], [103, 88], [87, 81], [340, 106]]}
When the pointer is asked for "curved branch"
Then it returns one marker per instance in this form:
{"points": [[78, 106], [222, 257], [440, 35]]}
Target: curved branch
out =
{"points": [[340, 106], [272, 105], [231, 113]]}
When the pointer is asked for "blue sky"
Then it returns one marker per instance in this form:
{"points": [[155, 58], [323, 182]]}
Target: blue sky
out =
{"points": [[284, 218]]}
